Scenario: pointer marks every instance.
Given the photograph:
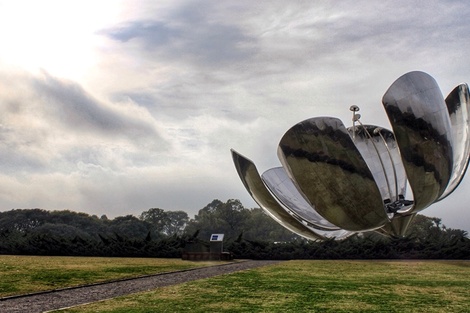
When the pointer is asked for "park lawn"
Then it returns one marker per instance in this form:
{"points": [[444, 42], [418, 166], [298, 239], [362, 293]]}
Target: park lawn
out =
{"points": [[312, 286], [26, 274]]}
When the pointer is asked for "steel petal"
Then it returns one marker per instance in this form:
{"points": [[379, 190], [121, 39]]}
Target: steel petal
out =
{"points": [[284, 190], [254, 185], [420, 120], [378, 147], [458, 106], [324, 163]]}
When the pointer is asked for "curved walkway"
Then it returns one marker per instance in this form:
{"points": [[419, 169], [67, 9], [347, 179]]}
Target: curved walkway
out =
{"points": [[57, 299]]}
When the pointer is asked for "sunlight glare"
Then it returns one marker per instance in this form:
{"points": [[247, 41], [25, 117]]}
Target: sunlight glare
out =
{"points": [[59, 37]]}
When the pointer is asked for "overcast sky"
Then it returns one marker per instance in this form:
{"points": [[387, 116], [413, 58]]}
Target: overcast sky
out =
{"points": [[114, 107]]}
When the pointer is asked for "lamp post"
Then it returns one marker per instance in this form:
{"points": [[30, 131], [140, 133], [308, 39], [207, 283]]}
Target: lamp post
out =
{"points": [[356, 117]]}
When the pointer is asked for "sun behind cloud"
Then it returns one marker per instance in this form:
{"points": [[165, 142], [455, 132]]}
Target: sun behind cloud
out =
{"points": [[57, 36]]}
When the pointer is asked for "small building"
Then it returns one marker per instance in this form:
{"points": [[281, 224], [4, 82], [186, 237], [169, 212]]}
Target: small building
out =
{"points": [[216, 250], [217, 243]]}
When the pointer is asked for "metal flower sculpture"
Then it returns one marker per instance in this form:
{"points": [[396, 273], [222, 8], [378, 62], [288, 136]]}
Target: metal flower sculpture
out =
{"points": [[337, 181]]}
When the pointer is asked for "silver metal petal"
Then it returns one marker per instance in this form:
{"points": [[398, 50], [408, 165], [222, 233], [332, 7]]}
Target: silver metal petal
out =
{"points": [[458, 106], [254, 185], [379, 149], [323, 162], [420, 121], [284, 190]]}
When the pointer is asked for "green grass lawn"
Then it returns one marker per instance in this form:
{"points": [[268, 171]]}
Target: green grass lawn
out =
{"points": [[312, 286], [25, 274]]}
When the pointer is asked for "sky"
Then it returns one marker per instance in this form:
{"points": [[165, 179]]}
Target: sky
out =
{"points": [[114, 107]]}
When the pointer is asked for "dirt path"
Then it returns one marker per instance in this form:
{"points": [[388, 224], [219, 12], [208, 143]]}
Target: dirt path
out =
{"points": [[54, 300]]}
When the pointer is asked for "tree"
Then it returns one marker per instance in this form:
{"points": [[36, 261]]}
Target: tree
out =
{"points": [[168, 223], [23, 220], [228, 218], [249, 233], [155, 216], [260, 226], [235, 221], [129, 227], [234, 214], [424, 227], [176, 223]]}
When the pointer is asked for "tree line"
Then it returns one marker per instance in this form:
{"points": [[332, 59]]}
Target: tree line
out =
{"points": [[249, 233]]}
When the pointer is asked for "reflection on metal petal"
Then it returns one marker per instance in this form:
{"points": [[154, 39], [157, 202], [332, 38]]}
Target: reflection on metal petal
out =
{"points": [[420, 122], [253, 183], [336, 181], [288, 196], [380, 151], [458, 105], [284, 190], [330, 172]]}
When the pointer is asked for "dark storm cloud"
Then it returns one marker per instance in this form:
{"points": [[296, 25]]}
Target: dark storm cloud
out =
{"points": [[77, 110], [194, 37], [50, 125], [155, 34]]}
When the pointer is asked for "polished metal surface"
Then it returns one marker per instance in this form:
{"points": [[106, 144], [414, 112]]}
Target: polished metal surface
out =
{"points": [[332, 175], [337, 181], [420, 121], [254, 185], [458, 106], [284, 190], [380, 151]]}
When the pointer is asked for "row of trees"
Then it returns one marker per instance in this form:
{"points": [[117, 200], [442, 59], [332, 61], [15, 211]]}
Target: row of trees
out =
{"points": [[249, 233]]}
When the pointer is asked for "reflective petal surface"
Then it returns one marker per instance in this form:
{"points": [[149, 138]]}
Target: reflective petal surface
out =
{"points": [[380, 151], [284, 190], [254, 185], [420, 121], [458, 106], [324, 163]]}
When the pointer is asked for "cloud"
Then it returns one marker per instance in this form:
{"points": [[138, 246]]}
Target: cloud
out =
{"points": [[77, 110], [197, 58], [188, 34], [49, 124]]}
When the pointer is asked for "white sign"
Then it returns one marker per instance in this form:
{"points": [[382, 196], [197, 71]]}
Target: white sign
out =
{"points": [[217, 237]]}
